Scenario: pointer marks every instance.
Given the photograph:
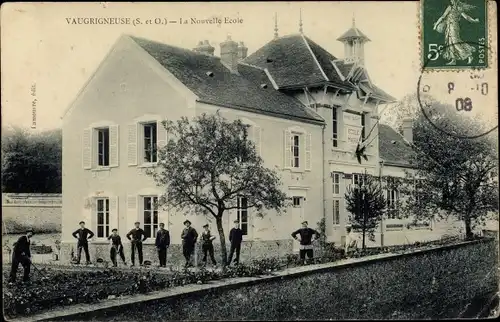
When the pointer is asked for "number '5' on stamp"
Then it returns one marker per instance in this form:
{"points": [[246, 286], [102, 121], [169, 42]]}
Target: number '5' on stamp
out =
{"points": [[454, 34]]}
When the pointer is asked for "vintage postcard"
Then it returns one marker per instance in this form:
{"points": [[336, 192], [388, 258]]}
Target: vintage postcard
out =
{"points": [[250, 160]]}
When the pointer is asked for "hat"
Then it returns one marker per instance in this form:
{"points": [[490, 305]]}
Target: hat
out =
{"points": [[137, 223], [236, 221], [186, 221], [29, 230], [114, 229], [305, 222], [81, 222], [348, 226], [205, 225]]}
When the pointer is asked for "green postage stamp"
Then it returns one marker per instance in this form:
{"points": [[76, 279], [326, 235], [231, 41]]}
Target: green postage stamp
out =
{"points": [[454, 34]]}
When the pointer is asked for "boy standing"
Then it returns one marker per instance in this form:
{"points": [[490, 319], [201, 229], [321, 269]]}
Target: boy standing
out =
{"points": [[162, 243], [136, 237], [235, 238], [207, 245], [83, 235], [21, 255], [306, 239], [116, 247], [189, 237]]}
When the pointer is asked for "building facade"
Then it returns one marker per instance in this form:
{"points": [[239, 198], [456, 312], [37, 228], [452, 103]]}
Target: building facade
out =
{"points": [[307, 111]]}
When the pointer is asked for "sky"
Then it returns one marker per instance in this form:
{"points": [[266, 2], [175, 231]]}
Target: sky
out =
{"points": [[47, 59]]}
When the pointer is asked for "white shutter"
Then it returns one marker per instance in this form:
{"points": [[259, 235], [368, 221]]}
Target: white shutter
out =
{"points": [[113, 146], [132, 211], [113, 213], [257, 139], [87, 148], [308, 152], [161, 133], [288, 146], [132, 144]]}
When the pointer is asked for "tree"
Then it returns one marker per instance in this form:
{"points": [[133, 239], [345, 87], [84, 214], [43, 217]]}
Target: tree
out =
{"points": [[453, 173], [366, 204], [210, 165], [31, 162]]}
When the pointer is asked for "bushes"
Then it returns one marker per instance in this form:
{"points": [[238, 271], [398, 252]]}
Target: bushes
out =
{"points": [[60, 289], [56, 288]]}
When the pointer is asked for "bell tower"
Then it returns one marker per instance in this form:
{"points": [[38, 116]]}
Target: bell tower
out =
{"points": [[354, 41]]}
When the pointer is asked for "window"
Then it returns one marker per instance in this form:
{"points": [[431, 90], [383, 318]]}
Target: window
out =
{"points": [[335, 134], [336, 211], [357, 179], [102, 212], [336, 183], [418, 190], [295, 151], [392, 199], [103, 147], [242, 149], [150, 216], [363, 127], [150, 142], [297, 201], [242, 215]]}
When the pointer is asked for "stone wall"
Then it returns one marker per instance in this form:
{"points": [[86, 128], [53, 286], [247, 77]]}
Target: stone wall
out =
{"points": [[250, 249], [42, 212], [435, 283]]}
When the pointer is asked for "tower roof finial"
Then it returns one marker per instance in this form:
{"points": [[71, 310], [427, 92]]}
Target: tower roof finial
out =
{"points": [[275, 25], [300, 22], [353, 21]]}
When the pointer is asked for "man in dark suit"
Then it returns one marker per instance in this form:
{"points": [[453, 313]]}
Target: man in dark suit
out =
{"points": [[189, 237], [235, 238], [83, 235], [136, 237], [21, 255], [162, 243]]}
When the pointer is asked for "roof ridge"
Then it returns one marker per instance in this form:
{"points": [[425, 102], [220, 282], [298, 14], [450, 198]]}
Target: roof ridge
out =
{"points": [[342, 77], [314, 57], [173, 46], [250, 65]]}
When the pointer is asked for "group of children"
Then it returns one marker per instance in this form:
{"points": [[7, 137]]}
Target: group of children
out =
{"points": [[137, 236]]}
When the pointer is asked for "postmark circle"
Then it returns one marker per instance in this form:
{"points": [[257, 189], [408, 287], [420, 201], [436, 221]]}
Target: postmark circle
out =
{"points": [[419, 98]]}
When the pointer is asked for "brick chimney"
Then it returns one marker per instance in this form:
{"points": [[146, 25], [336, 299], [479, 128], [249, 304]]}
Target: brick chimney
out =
{"points": [[242, 51], [229, 53], [408, 129], [204, 48]]}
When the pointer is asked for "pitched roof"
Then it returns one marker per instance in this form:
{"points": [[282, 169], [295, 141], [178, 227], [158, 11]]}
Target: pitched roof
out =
{"points": [[353, 33], [393, 148], [296, 60], [241, 90]]}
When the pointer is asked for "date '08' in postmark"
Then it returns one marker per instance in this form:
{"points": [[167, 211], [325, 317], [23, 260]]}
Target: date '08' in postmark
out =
{"points": [[454, 34]]}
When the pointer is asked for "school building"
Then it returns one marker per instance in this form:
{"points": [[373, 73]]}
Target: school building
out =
{"points": [[306, 109]]}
